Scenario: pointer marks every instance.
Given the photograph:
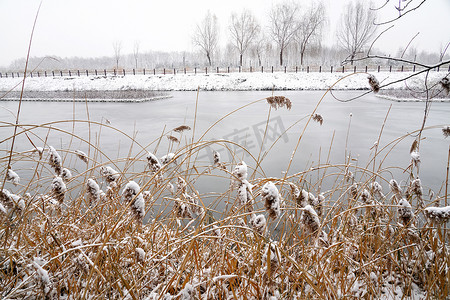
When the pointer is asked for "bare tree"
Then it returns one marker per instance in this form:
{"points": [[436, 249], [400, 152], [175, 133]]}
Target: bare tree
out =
{"points": [[283, 25], [136, 53], [206, 35], [357, 27], [258, 47], [243, 29], [310, 28], [117, 46]]}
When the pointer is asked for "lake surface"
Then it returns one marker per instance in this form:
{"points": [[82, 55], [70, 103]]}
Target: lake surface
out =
{"points": [[352, 127]]}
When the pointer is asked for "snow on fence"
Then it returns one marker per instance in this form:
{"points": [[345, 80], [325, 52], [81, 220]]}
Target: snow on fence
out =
{"points": [[206, 70]]}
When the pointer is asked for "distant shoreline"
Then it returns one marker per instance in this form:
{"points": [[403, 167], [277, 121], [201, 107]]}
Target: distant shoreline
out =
{"points": [[139, 87]]}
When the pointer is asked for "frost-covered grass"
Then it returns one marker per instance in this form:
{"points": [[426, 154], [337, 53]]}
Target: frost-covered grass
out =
{"points": [[86, 225]]}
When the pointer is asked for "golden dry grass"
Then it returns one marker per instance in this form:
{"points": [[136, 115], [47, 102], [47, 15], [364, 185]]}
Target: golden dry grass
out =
{"points": [[351, 241]]}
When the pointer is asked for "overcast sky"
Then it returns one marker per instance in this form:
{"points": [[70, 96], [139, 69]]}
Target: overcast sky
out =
{"points": [[88, 28]]}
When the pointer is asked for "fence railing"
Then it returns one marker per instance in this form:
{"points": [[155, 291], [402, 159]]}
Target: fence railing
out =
{"points": [[219, 70]]}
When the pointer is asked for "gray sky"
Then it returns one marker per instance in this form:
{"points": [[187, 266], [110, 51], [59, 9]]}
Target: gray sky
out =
{"points": [[88, 28]]}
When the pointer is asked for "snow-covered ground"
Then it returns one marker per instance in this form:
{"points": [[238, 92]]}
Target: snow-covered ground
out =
{"points": [[217, 82]]}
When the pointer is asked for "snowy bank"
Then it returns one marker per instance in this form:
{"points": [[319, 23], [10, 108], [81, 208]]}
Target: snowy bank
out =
{"points": [[217, 82]]}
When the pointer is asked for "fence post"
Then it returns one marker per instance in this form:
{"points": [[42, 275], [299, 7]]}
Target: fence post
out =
{"points": [[195, 70], [1, 75], [78, 73], [134, 71], [114, 72], [154, 71], [12, 74], [31, 74], [343, 69], [272, 69], [262, 69], [217, 69], [402, 68], [307, 69], [414, 68], [331, 69], [206, 70], [354, 69], [320, 69], [366, 69], [228, 69], [53, 73], [39, 75], [284, 69], [174, 71], [104, 71], [437, 69], [251, 69], [60, 72], [378, 69], [45, 73], [96, 72], [239, 69], [184, 70], [390, 69]]}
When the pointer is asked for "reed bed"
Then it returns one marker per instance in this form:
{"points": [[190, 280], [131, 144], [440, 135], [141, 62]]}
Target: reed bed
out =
{"points": [[88, 226]]}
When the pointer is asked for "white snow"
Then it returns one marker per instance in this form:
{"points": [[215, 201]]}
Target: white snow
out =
{"points": [[109, 173], [258, 223], [13, 177], [58, 185], [270, 196], [140, 254], [269, 190], [133, 187], [81, 155], [66, 174], [168, 158], [438, 214], [139, 206], [93, 189], [40, 272], [218, 82], [3, 209], [240, 171]]}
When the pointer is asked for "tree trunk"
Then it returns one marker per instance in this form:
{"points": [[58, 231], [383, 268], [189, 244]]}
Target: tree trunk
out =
{"points": [[352, 57], [209, 59], [301, 57], [240, 60], [281, 57]]}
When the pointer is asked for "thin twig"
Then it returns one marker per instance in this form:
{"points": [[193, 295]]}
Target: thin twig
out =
{"points": [[21, 95]]}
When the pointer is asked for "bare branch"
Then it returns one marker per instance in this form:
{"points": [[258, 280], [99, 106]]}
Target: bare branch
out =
{"points": [[206, 35], [356, 28], [371, 45], [406, 48], [401, 15]]}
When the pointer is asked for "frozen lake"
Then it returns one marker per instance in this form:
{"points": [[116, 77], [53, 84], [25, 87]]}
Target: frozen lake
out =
{"points": [[147, 121]]}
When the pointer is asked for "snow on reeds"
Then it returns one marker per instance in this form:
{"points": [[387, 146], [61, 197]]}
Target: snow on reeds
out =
{"points": [[155, 234]]}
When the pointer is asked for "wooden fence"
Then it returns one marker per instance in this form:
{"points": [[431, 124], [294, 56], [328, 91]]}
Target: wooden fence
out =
{"points": [[219, 70]]}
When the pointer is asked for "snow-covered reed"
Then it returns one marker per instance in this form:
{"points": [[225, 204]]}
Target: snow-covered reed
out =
{"points": [[255, 235]]}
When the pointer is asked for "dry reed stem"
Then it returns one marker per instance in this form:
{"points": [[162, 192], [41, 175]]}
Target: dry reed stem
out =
{"points": [[219, 254]]}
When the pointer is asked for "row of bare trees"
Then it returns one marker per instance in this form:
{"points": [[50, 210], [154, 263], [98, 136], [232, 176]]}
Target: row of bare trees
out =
{"points": [[289, 24]]}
